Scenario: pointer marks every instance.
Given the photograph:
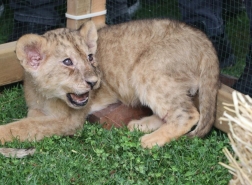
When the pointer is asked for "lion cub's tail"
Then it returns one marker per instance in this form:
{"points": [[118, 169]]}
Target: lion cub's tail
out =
{"points": [[18, 153], [208, 89]]}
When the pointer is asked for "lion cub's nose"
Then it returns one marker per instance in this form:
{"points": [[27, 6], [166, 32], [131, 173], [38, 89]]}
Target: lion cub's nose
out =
{"points": [[91, 81], [92, 84]]}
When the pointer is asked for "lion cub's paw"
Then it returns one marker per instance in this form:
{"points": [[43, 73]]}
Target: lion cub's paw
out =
{"points": [[138, 125], [148, 141]]}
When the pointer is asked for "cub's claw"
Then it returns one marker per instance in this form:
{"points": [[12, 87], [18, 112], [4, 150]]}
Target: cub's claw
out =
{"points": [[134, 125], [146, 124]]}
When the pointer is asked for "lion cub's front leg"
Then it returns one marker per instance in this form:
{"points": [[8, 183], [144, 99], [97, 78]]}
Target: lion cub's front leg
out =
{"points": [[36, 128], [146, 124]]}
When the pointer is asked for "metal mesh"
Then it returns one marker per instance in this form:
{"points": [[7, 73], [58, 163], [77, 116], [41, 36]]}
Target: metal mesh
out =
{"points": [[18, 17], [226, 23]]}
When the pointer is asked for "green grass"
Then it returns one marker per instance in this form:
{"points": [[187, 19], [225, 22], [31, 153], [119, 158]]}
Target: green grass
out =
{"points": [[98, 156], [12, 104]]}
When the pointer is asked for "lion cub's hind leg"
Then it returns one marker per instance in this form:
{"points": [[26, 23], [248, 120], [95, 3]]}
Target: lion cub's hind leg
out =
{"points": [[146, 124], [178, 122]]}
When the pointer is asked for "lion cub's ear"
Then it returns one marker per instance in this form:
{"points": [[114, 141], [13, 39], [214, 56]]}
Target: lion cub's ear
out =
{"points": [[31, 51], [89, 33]]}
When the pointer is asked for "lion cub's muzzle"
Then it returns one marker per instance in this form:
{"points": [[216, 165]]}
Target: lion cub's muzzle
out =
{"points": [[78, 99]]}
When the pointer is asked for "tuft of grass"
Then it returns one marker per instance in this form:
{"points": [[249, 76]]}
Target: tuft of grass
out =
{"points": [[12, 104], [98, 156]]}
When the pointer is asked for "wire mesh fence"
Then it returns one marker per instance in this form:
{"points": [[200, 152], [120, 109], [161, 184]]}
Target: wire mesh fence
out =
{"points": [[226, 23], [18, 17]]}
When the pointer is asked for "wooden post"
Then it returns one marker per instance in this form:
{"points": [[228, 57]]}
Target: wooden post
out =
{"points": [[97, 6], [77, 7], [83, 7]]}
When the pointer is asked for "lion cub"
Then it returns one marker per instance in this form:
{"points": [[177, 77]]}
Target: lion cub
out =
{"points": [[158, 63]]}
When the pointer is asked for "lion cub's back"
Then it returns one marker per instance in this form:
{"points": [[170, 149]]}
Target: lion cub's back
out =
{"points": [[153, 46], [132, 39]]}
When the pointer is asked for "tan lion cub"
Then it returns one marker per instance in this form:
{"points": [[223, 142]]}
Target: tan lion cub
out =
{"points": [[158, 63]]}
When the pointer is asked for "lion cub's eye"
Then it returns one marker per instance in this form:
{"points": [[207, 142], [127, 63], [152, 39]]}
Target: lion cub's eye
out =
{"points": [[90, 57], [68, 62]]}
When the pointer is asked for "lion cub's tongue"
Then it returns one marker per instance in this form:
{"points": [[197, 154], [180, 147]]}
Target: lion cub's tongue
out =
{"points": [[79, 98]]}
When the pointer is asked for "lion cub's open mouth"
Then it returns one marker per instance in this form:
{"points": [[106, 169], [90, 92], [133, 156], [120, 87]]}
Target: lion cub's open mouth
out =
{"points": [[78, 99]]}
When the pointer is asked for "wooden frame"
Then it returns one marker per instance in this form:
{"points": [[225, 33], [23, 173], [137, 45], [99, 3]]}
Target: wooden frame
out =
{"points": [[11, 71]]}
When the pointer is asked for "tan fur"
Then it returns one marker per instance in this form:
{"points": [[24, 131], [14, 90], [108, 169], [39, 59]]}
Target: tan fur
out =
{"points": [[158, 63]]}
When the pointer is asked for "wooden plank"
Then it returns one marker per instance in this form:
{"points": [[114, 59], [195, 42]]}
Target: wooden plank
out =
{"points": [[228, 80], [10, 71], [7, 48]]}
